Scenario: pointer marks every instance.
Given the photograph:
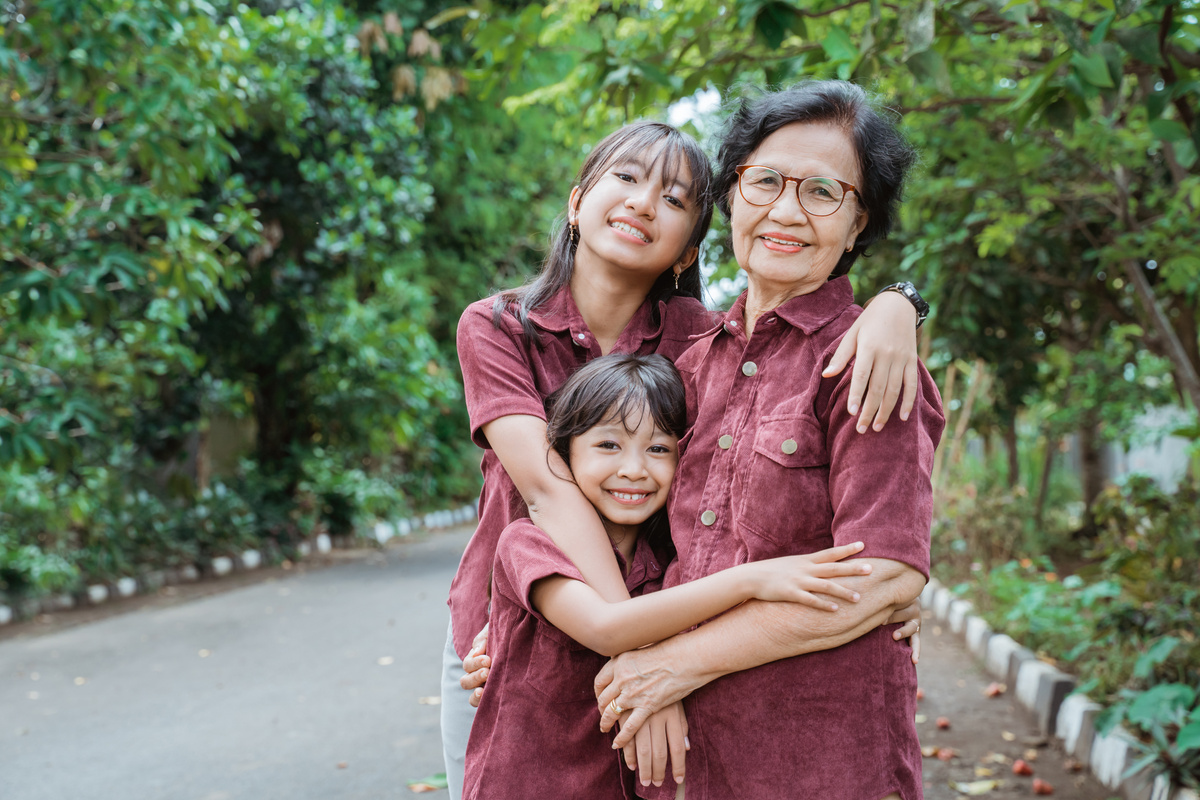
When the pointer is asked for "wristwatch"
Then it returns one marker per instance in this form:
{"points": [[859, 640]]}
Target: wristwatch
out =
{"points": [[910, 292]]}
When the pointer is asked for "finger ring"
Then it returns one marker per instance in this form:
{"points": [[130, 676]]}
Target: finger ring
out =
{"points": [[615, 708], [918, 630]]}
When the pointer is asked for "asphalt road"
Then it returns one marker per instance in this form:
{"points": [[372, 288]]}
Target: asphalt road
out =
{"points": [[301, 686], [317, 683]]}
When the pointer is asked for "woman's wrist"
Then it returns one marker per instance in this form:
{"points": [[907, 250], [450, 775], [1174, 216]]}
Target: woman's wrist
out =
{"points": [[909, 292]]}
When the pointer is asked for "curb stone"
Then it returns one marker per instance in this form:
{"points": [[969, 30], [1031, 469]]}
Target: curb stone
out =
{"points": [[12, 610], [1048, 693]]}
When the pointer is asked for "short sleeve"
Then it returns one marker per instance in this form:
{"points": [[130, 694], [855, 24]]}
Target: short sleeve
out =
{"points": [[497, 373], [524, 556], [879, 481]]}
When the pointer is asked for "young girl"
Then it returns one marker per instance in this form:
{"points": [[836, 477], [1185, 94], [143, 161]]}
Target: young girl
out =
{"points": [[621, 276], [616, 424]]}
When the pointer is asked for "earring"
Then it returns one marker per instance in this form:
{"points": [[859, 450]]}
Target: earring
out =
{"points": [[574, 232], [677, 281]]}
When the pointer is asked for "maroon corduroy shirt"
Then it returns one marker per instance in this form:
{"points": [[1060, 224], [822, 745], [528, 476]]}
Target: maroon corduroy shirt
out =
{"points": [[773, 466], [503, 374], [537, 731]]}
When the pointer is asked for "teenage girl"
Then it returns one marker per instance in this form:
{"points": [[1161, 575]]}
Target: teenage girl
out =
{"points": [[621, 276], [616, 424]]}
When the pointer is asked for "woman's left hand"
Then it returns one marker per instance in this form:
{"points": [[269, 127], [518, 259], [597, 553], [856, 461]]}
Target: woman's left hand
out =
{"points": [[641, 683], [883, 344], [910, 615]]}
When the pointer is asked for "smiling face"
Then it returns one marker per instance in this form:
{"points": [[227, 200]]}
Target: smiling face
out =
{"points": [[625, 474], [785, 251], [635, 221]]}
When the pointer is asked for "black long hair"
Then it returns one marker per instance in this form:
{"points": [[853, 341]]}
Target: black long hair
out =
{"points": [[884, 156], [679, 150], [619, 387]]}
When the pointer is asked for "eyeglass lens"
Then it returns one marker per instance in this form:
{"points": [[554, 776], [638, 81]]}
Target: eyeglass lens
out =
{"points": [[762, 186]]}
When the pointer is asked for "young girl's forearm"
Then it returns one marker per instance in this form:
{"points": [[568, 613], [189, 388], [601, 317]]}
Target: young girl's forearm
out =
{"points": [[611, 628]]}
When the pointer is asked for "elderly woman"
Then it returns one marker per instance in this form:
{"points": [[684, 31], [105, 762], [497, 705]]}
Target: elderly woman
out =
{"points": [[782, 700]]}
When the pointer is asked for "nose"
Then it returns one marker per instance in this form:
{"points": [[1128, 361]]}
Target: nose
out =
{"points": [[787, 208], [641, 199], [632, 466]]}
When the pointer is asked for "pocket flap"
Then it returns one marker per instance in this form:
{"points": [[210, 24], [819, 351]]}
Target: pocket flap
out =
{"points": [[792, 442]]}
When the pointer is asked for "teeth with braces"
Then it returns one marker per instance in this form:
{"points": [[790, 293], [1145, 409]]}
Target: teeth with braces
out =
{"points": [[627, 228]]}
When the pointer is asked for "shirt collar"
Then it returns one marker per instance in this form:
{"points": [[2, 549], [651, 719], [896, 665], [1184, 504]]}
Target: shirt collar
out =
{"points": [[808, 312], [644, 565], [560, 314]]}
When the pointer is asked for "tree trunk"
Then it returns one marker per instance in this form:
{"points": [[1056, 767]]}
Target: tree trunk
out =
{"points": [[1185, 368], [1044, 484], [1091, 463], [1010, 445]]}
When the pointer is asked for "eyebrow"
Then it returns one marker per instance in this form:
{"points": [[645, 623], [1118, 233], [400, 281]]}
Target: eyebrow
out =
{"points": [[640, 164]]}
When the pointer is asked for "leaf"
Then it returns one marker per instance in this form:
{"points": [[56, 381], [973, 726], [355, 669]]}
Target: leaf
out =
{"points": [[450, 14], [430, 784], [776, 21], [1093, 69], [1069, 28], [1160, 704], [975, 788], [918, 22], [1170, 130], [1141, 43], [928, 66], [838, 46], [1189, 737]]}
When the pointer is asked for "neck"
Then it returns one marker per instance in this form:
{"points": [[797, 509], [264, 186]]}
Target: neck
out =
{"points": [[761, 300], [607, 302], [623, 537]]}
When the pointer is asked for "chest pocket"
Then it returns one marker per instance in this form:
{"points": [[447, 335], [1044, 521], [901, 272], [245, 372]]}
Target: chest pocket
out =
{"points": [[785, 494]]}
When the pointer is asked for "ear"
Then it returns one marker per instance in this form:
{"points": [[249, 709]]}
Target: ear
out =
{"points": [[685, 260], [573, 205], [860, 224]]}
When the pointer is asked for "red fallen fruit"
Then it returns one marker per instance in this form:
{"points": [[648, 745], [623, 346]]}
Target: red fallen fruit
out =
{"points": [[994, 690], [1041, 787], [920, 693], [946, 753], [1021, 767], [943, 723]]}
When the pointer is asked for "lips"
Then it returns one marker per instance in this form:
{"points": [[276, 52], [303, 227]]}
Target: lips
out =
{"points": [[630, 228]]}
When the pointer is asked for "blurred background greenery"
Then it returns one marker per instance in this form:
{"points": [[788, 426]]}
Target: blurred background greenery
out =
{"points": [[237, 238]]}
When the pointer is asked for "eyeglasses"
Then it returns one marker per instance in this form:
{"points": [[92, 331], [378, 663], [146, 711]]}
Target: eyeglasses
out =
{"points": [[761, 186]]}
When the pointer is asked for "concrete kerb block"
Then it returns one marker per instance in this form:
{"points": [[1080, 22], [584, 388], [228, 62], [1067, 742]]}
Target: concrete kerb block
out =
{"points": [[1016, 660], [1161, 788], [928, 593], [1075, 710], [979, 633], [1052, 689], [97, 593], [324, 543], [403, 528], [304, 549], [383, 532], [189, 573], [58, 602], [1029, 675], [251, 559], [942, 599], [6, 614], [959, 611], [221, 566], [1109, 756], [1139, 785], [1187, 794], [152, 580], [1000, 648]]}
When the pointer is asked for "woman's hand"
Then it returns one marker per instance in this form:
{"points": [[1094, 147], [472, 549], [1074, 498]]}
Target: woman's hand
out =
{"points": [[663, 734], [641, 683], [910, 615], [883, 344], [794, 579], [476, 666]]}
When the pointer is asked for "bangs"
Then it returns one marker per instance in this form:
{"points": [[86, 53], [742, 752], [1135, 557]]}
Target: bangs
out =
{"points": [[678, 150], [629, 410]]}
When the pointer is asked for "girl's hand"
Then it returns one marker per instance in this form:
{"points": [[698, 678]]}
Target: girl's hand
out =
{"points": [[663, 734], [910, 615], [797, 579], [883, 344]]}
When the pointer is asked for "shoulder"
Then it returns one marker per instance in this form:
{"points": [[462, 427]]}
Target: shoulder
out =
{"points": [[480, 316], [686, 316]]}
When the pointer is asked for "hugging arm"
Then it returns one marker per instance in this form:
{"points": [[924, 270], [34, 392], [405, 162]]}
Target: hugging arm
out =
{"points": [[749, 636]]}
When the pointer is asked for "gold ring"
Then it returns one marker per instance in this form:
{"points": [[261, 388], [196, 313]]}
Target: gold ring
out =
{"points": [[614, 708]]}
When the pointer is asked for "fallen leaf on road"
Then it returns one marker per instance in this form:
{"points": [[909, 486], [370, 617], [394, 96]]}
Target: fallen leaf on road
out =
{"points": [[386, 661], [983, 772], [919, 718], [430, 784], [929, 750], [1031, 755], [1021, 767], [1041, 787], [974, 788], [1071, 765], [432, 700], [943, 723], [994, 689], [1007, 736], [995, 758], [342, 765]]}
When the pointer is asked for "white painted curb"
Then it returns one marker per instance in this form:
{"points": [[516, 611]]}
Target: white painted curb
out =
{"points": [[959, 610], [999, 650], [978, 634], [1070, 719]]}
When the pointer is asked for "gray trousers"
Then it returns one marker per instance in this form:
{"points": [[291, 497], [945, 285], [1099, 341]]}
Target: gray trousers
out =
{"points": [[457, 716]]}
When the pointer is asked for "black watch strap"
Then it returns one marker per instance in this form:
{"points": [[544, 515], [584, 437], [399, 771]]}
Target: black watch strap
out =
{"points": [[909, 291]]}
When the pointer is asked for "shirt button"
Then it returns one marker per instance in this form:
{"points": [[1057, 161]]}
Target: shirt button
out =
{"points": [[708, 517], [788, 446], [749, 368], [582, 336], [725, 442]]}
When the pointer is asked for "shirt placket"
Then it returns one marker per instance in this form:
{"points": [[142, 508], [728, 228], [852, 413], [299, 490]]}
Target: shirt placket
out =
{"points": [[735, 445]]}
